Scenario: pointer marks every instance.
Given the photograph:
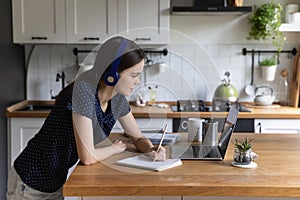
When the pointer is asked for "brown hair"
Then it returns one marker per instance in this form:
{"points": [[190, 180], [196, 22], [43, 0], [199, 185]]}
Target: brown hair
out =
{"points": [[132, 55]]}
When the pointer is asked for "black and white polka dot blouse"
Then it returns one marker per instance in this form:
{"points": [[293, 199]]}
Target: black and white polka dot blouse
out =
{"points": [[44, 163]]}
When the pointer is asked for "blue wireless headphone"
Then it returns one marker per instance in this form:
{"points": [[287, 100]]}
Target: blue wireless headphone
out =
{"points": [[112, 76]]}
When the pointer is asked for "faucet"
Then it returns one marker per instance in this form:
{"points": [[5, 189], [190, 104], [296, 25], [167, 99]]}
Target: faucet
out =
{"points": [[62, 77], [52, 95]]}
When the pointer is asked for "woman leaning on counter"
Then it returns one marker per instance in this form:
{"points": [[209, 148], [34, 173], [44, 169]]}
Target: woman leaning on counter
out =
{"points": [[83, 116]]}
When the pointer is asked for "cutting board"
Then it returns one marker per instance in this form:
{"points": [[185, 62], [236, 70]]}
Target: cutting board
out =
{"points": [[295, 84], [295, 80]]}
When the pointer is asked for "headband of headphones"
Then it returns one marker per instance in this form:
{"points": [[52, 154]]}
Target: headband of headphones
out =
{"points": [[112, 76]]}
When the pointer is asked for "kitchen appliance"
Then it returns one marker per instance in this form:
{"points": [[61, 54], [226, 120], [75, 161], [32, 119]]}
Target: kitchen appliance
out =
{"points": [[264, 97], [213, 6], [225, 95], [190, 106]]}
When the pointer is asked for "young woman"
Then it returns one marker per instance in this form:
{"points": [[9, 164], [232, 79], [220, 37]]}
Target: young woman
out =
{"points": [[83, 116]]}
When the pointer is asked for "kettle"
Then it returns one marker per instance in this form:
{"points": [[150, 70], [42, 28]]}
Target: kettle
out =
{"points": [[226, 92], [263, 99]]}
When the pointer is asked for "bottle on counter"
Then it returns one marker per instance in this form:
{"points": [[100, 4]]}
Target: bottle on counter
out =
{"points": [[283, 91]]}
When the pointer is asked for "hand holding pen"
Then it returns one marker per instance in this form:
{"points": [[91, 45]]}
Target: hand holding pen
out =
{"points": [[160, 153]]}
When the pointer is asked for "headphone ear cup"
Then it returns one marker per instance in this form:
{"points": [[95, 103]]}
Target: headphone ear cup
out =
{"points": [[111, 79], [112, 76]]}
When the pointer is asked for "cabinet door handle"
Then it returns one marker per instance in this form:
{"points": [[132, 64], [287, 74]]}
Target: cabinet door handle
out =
{"points": [[38, 38], [143, 39], [259, 127], [91, 38]]}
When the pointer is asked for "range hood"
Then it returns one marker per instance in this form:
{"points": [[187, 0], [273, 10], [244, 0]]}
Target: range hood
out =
{"points": [[210, 7]]}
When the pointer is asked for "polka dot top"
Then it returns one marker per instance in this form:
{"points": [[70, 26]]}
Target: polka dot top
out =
{"points": [[44, 163]]}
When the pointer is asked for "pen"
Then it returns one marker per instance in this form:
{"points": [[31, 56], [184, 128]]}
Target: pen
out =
{"points": [[162, 138]]}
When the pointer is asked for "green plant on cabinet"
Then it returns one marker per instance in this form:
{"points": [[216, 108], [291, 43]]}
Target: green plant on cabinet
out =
{"points": [[265, 23]]}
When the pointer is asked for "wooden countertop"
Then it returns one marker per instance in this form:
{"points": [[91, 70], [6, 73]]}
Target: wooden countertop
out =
{"points": [[155, 112], [277, 174], [256, 113], [14, 110]]}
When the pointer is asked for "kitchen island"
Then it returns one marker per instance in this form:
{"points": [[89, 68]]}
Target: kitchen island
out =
{"points": [[277, 174]]}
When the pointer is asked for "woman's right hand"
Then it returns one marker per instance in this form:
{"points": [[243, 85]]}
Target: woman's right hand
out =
{"points": [[119, 146]]}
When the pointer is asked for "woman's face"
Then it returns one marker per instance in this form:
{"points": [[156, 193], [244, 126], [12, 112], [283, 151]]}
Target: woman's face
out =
{"points": [[129, 78]]}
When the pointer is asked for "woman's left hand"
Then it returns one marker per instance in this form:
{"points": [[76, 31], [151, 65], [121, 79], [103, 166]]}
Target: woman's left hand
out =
{"points": [[158, 156]]}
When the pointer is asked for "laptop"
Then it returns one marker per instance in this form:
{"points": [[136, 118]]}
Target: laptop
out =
{"points": [[209, 152]]}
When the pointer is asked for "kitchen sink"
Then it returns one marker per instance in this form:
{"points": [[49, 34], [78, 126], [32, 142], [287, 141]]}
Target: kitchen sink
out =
{"points": [[36, 108]]}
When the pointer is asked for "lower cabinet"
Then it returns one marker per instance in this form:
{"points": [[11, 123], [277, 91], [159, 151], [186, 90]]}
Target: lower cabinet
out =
{"points": [[277, 126], [20, 131]]}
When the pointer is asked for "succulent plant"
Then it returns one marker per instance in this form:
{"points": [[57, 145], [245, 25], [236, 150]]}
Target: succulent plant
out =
{"points": [[243, 145]]}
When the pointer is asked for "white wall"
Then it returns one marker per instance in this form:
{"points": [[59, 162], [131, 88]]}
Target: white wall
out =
{"points": [[202, 48]]}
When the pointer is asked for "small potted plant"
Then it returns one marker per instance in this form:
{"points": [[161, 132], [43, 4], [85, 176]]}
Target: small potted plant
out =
{"points": [[268, 67], [243, 151], [265, 24]]}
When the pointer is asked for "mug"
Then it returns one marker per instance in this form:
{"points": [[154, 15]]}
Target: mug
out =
{"points": [[210, 133], [195, 129]]}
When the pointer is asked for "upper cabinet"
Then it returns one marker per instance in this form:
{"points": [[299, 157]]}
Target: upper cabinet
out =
{"points": [[36, 21], [144, 21], [90, 21]]}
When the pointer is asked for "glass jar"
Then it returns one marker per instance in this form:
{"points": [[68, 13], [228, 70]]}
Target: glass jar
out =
{"points": [[243, 157]]}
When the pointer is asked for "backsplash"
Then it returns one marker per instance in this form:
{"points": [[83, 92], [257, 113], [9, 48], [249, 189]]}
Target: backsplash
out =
{"points": [[190, 71]]}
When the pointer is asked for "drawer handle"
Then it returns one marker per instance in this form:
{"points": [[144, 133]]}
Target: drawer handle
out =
{"points": [[91, 38], [143, 39], [259, 126], [39, 38]]}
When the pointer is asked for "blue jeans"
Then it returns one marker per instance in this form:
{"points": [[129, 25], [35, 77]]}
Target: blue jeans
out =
{"points": [[18, 190]]}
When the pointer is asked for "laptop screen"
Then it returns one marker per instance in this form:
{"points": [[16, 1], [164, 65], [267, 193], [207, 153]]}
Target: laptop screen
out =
{"points": [[227, 130]]}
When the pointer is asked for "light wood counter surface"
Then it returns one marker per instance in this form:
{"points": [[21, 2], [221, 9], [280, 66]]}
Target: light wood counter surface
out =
{"points": [[155, 112], [277, 174]]}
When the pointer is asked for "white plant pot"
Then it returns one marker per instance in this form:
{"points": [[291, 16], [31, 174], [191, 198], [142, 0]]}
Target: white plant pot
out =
{"points": [[268, 72]]}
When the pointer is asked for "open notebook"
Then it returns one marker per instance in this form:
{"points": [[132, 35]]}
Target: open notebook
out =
{"points": [[146, 162]]}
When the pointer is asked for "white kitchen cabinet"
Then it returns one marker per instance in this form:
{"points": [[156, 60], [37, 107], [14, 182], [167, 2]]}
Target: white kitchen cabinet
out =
{"points": [[36, 21], [90, 21], [144, 21], [277, 126], [20, 131]]}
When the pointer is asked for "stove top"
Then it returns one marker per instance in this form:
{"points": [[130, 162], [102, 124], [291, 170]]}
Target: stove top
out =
{"points": [[199, 106]]}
